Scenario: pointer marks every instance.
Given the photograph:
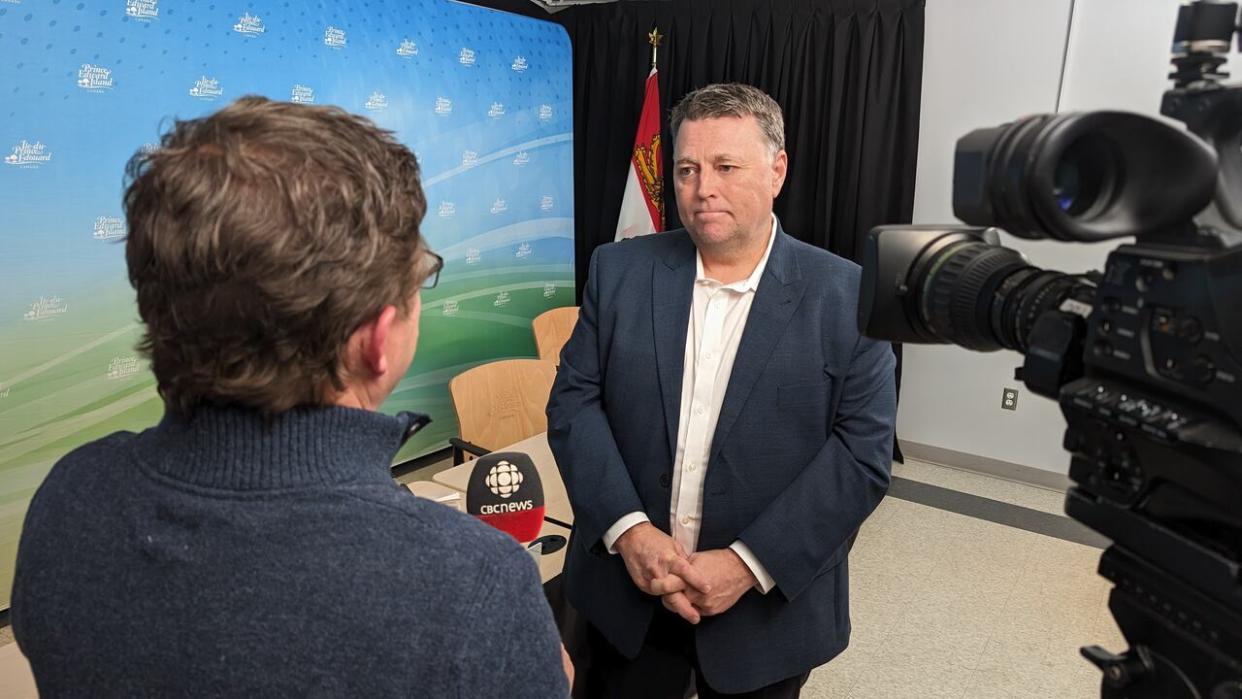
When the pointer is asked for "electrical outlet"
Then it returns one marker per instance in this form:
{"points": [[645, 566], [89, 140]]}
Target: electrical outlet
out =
{"points": [[1009, 399]]}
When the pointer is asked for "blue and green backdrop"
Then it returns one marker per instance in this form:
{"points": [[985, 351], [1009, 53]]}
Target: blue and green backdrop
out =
{"points": [[482, 98]]}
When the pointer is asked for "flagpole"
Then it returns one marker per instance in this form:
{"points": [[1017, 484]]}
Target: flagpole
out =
{"points": [[654, 39], [642, 203]]}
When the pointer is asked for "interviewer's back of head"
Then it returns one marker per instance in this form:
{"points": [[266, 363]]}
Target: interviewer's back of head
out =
{"points": [[260, 238]]}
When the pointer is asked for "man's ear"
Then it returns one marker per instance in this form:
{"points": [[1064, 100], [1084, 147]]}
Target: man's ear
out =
{"points": [[371, 340], [780, 167]]}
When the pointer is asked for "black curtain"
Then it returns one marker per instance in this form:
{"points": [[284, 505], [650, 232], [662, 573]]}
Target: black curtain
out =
{"points": [[847, 73]]}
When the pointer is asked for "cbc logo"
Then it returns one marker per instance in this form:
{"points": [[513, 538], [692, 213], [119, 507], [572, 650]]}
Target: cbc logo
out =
{"points": [[504, 479]]}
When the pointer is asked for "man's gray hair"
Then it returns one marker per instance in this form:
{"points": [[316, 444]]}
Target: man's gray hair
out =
{"points": [[732, 100]]}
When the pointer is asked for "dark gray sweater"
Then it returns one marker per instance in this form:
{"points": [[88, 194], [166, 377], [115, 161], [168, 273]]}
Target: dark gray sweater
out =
{"points": [[227, 557]]}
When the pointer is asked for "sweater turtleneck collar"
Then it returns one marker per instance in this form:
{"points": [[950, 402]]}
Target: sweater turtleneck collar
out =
{"points": [[235, 448]]}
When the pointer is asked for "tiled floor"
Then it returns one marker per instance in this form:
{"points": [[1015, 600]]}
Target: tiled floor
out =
{"points": [[946, 605]]}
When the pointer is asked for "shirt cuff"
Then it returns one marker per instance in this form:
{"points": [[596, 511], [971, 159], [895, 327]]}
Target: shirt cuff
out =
{"points": [[622, 526], [765, 581]]}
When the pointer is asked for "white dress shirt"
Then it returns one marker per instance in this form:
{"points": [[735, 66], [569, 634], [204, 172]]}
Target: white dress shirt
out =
{"points": [[718, 316]]}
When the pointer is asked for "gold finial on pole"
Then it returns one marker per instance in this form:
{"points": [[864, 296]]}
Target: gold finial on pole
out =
{"points": [[654, 38]]}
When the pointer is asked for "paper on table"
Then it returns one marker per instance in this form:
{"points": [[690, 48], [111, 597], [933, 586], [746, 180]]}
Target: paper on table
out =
{"points": [[438, 493]]}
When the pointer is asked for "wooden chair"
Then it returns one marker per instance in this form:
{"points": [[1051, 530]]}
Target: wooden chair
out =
{"points": [[499, 403], [552, 329]]}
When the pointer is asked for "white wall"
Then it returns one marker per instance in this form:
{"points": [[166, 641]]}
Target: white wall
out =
{"points": [[987, 62]]}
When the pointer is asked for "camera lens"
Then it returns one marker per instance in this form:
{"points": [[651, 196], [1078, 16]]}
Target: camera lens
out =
{"points": [[958, 290], [954, 285]]}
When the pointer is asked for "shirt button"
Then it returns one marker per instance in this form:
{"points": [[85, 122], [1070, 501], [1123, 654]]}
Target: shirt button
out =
{"points": [[698, 410], [707, 355], [685, 520], [690, 466]]}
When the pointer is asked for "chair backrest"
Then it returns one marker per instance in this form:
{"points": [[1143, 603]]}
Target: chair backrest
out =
{"points": [[502, 402], [552, 329]]}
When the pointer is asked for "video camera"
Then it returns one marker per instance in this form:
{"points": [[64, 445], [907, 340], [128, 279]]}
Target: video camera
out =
{"points": [[1145, 358]]}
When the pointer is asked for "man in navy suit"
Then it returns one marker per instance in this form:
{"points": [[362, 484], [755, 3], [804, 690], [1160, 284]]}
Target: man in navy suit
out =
{"points": [[722, 430]]}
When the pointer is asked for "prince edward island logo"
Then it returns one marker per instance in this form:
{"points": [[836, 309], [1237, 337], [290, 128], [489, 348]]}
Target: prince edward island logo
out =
{"points": [[407, 48], [496, 111], [108, 228], [545, 112], [249, 25], [122, 367], [504, 479], [444, 106], [519, 65], [145, 10], [94, 78], [206, 88], [302, 95], [466, 57], [28, 155], [376, 102], [334, 38], [46, 307]]}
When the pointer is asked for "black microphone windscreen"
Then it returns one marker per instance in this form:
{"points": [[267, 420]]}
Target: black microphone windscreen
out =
{"points": [[506, 492]]}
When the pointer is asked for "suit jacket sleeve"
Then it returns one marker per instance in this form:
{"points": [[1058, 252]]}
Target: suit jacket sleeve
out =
{"points": [[798, 533], [581, 439]]}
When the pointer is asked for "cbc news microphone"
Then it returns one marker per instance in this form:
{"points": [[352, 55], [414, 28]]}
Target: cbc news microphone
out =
{"points": [[505, 491]]}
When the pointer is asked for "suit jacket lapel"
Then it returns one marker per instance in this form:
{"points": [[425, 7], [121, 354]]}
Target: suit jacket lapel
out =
{"points": [[776, 299], [672, 289]]}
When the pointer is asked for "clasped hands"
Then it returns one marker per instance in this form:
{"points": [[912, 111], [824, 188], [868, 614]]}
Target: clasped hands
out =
{"points": [[692, 586]]}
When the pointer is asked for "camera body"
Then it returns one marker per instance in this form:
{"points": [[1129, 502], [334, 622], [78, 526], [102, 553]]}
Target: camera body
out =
{"points": [[1144, 358], [1157, 462]]}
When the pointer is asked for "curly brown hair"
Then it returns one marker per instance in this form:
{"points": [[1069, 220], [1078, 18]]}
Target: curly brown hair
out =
{"points": [[260, 237]]}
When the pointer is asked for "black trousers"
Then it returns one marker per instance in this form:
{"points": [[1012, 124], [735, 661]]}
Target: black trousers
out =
{"points": [[667, 667]]}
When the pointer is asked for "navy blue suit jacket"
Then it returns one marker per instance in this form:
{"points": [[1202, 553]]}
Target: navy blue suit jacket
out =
{"points": [[800, 456]]}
